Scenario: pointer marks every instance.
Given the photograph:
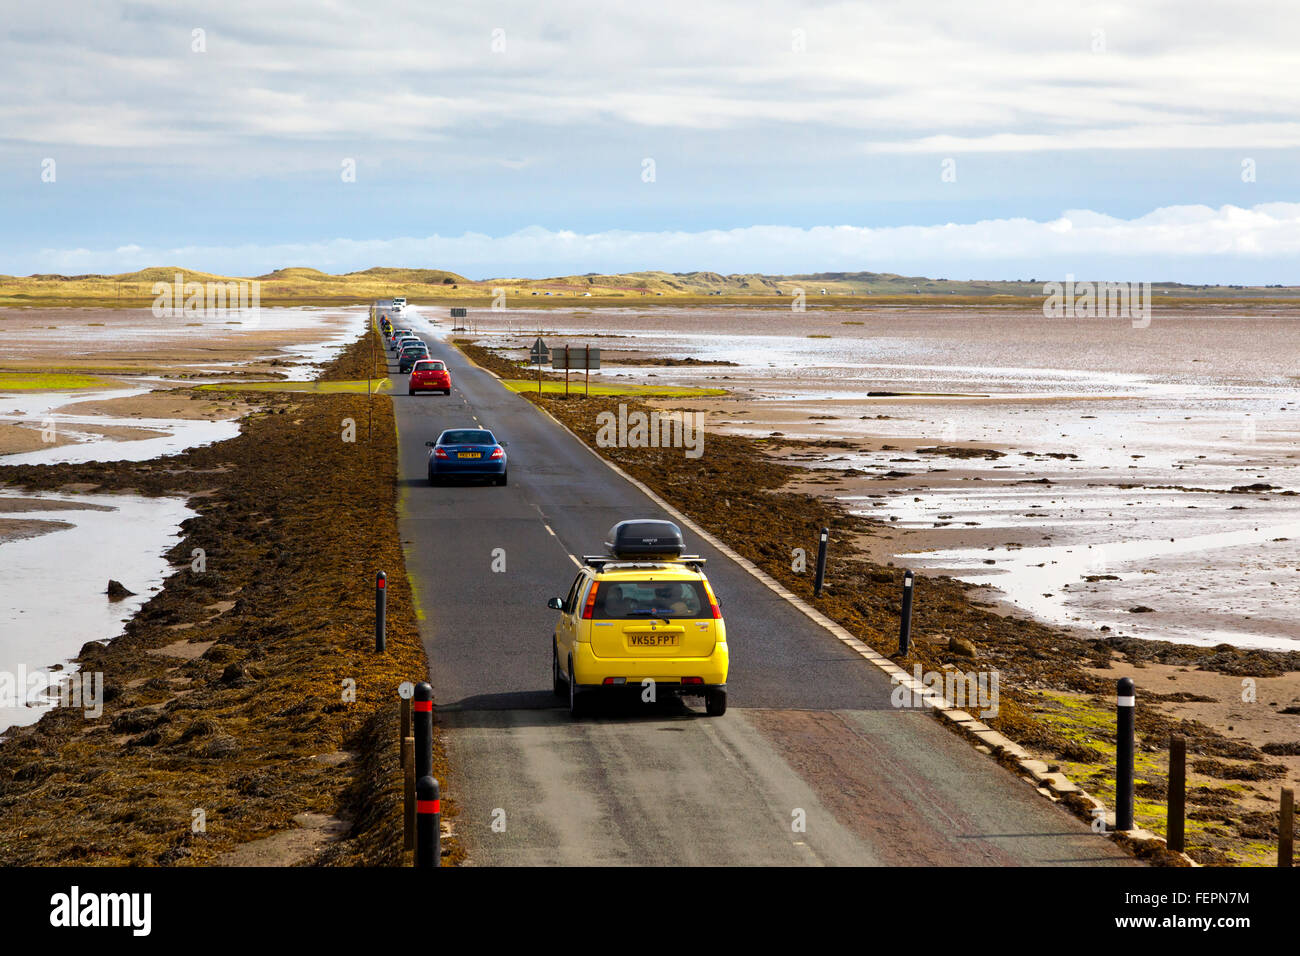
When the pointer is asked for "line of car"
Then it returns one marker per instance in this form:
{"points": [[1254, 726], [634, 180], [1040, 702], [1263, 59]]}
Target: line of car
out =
{"points": [[427, 374], [469, 452], [642, 617]]}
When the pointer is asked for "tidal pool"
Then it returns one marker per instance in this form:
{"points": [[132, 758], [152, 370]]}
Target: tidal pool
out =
{"points": [[52, 586]]}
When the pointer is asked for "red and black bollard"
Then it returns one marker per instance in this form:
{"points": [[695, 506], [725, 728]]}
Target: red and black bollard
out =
{"points": [[381, 611], [423, 706], [428, 823]]}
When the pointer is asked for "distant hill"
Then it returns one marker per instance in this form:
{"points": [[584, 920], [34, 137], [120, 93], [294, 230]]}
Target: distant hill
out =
{"points": [[311, 286], [836, 283]]}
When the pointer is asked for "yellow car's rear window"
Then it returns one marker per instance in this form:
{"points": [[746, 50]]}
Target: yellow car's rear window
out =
{"points": [[628, 600]]}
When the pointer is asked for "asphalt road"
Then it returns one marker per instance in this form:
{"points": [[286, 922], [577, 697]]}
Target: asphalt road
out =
{"points": [[810, 765]]}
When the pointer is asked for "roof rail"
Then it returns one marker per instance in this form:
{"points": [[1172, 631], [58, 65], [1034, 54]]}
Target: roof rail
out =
{"points": [[602, 561]]}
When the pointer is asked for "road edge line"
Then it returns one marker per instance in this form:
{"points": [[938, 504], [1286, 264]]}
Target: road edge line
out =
{"points": [[1053, 786]]}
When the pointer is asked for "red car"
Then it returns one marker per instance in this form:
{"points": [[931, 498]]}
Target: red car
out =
{"points": [[429, 375]]}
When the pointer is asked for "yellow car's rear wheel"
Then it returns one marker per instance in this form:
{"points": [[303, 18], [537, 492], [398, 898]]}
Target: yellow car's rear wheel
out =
{"points": [[715, 703], [577, 699], [558, 683]]}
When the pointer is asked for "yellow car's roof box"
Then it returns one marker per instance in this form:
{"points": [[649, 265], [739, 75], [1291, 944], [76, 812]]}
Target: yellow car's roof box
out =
{"points": [[645, 538]]}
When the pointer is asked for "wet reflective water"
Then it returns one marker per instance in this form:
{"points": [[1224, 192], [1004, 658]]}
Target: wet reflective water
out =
{"points": [[323, 332], [42, 411], [52, 586], [1138, 431]]}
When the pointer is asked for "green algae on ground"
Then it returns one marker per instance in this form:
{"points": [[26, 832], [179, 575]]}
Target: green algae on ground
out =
{"points": [[359, 387], [50, 381], [576, 388]]}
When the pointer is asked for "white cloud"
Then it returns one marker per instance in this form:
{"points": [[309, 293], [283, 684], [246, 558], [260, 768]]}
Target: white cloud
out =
{"points": [[1257, 136], [1215, 240], [946, 75]]}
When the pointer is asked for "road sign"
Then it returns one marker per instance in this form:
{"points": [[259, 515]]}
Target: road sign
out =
{"points": [[579, 357], [459, 312], [540, 354]]}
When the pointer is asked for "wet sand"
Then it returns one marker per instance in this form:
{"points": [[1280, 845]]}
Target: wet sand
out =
{"points": [[987, 443], [136, 342], [16, 529], [142, 356]]}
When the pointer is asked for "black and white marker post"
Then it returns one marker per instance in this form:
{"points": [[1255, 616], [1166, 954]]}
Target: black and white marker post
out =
{"points": [[905, 615], [821, 562], [1125, 705]]}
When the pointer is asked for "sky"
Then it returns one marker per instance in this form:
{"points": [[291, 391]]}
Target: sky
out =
{"points": [[1145, 141]]}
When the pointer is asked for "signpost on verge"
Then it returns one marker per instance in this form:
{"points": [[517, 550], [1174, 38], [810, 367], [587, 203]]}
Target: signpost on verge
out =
{"points": [[539, 356], [587, 359]]}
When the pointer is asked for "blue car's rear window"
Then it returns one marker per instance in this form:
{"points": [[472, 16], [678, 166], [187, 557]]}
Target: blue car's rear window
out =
{"points": [[466, 436]]}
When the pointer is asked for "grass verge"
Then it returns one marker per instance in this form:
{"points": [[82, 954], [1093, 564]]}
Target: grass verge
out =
{"points": [[343, 387], [639, 391]]}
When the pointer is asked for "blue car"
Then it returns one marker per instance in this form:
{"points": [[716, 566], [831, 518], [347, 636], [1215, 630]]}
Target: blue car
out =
{"points": [[467, 453]]}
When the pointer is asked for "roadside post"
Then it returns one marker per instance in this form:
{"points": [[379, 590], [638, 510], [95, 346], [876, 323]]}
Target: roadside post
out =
{"points": [[370, 398], [1125, 705], [1174, 825], [905, 615], [566, 357], [1286, 829], [428, 812], [821, 563], [381, 611], [408, 793], [407, 752], [423, 730], [539, 355]]}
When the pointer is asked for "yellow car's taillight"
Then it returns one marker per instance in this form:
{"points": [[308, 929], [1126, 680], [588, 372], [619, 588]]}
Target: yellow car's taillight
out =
{"points": [[590, 606], [713, 601]]}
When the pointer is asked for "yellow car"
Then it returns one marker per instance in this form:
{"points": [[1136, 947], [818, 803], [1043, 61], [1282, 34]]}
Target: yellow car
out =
{"points": [[642, 617]]}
